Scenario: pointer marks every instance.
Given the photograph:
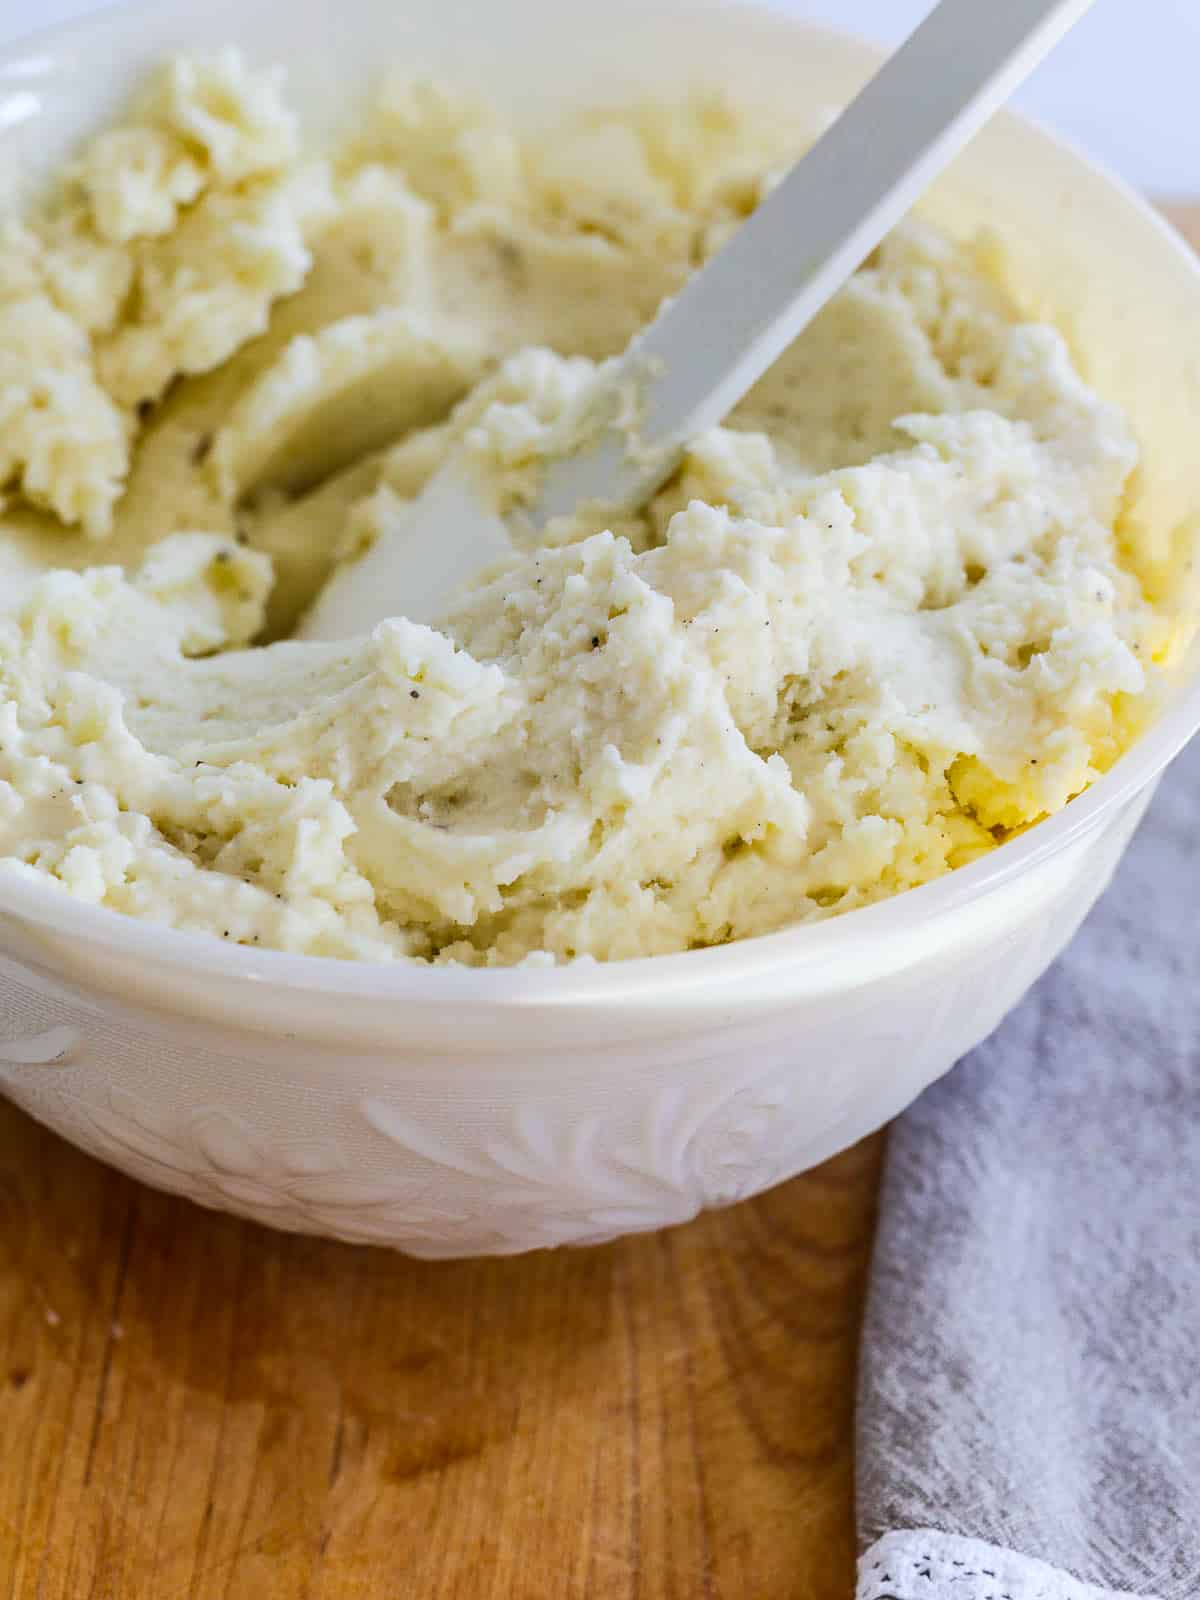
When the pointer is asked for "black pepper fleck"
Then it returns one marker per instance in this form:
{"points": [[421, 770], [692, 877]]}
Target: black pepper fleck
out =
{"points": [[415, 694]]}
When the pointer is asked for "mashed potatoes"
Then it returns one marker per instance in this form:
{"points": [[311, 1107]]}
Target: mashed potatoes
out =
{"points": [[877, 623]]}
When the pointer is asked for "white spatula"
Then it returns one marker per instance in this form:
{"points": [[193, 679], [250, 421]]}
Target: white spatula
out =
{"points": [[736, 316]]}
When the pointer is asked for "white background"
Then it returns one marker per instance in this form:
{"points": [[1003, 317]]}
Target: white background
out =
{"points": [[1125, 84]]}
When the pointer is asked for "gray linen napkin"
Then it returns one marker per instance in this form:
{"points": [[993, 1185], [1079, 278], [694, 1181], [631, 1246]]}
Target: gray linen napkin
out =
{"points": [[1029, 1405]]}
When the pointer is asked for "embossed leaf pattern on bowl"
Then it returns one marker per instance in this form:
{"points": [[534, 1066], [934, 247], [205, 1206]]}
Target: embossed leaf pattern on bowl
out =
{"points": [[216, 1159], [570, 1178], [548, 1179], [558, 1180], [213, 1154]]}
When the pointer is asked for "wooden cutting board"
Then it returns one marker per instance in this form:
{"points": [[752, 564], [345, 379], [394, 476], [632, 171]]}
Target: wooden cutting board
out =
{"points": [[193, 1407]]}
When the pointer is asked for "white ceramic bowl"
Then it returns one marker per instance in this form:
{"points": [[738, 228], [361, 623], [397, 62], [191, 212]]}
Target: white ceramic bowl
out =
{"points": [[460, 1112]]}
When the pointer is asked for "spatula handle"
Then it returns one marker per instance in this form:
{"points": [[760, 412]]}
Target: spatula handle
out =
{"points": [[737, 316]]}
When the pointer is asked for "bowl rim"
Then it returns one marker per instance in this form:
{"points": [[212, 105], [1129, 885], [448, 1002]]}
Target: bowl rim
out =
{"points": [[50, 908]]}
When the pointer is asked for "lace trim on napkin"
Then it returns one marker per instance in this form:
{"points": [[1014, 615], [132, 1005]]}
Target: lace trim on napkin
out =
{"points": [[923, 1565]]}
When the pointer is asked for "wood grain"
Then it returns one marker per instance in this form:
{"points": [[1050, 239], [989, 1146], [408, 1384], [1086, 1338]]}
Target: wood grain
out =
{"points": [[192, 1406]]}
